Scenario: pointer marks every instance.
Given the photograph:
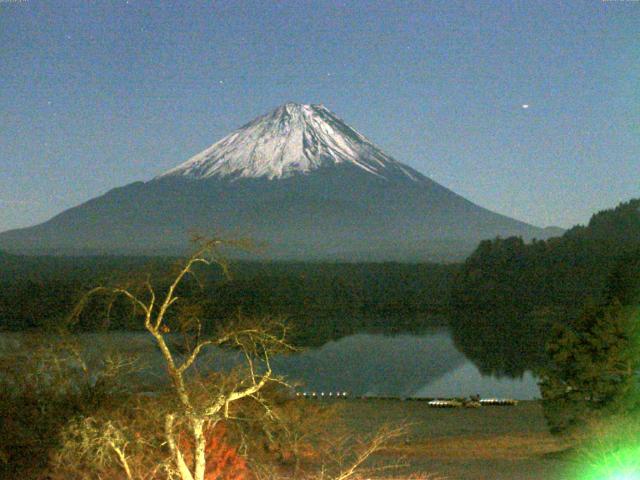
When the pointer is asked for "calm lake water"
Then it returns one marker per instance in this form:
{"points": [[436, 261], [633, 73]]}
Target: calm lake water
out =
{"points": [[404, 365], [427, 365]]}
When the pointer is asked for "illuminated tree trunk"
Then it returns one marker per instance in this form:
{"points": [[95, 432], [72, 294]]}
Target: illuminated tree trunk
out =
{"points": [[178, 458], [200, 459]]}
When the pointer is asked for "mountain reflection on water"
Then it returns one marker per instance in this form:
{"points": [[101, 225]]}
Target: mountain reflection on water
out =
{"points": [[404, 365], [400, 365]]}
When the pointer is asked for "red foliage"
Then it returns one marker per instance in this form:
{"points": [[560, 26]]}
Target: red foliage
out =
{"points": [[223, 460]]}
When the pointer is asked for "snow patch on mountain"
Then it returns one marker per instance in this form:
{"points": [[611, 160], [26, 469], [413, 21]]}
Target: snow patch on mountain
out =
{"points": [[293, 139]]}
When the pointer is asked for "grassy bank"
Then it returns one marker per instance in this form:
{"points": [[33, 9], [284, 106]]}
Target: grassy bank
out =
{"points": [[497, 443]]}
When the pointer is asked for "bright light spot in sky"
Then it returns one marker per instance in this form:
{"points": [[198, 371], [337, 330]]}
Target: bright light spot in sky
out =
{"points": [[525, 106]]}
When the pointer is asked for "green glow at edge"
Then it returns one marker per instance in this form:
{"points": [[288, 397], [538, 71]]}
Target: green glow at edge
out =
{"points": [[622, 463]]}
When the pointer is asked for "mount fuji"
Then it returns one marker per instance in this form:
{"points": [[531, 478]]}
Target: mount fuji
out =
{"points": [[299, 179]]}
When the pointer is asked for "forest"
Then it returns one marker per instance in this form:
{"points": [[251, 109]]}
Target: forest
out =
{"points": [[320, 300], [510, 289]]}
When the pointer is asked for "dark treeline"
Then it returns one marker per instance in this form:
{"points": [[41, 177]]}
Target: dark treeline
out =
{"points": [[320, 300], [508, 293]]}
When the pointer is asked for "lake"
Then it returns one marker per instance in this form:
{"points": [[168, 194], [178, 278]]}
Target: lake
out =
{"points": [[405, 365], [402, 365]]}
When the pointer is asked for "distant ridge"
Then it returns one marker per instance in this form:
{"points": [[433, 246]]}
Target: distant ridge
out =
{"points": [[553, 231], [297, 178]]}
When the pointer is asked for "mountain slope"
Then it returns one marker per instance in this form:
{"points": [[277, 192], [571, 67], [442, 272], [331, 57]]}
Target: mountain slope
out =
{"points": [[297, 178], [292, 139]]}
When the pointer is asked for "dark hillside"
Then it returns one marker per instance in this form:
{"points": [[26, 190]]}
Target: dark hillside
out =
{"points": [[509, 289]]}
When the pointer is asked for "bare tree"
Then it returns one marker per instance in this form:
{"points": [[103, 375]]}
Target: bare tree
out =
{"points": [[257, 342], [48, 380], [194, 404]]}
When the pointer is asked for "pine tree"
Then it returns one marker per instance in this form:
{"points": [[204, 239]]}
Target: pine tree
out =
{"points": [[593, 367]]}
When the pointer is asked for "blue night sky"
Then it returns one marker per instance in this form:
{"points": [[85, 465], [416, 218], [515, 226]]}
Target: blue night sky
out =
{"points": [[98, 94]]}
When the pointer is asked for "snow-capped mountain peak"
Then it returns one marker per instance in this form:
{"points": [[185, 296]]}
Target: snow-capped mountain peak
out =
{"points": [[292, 139]]}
